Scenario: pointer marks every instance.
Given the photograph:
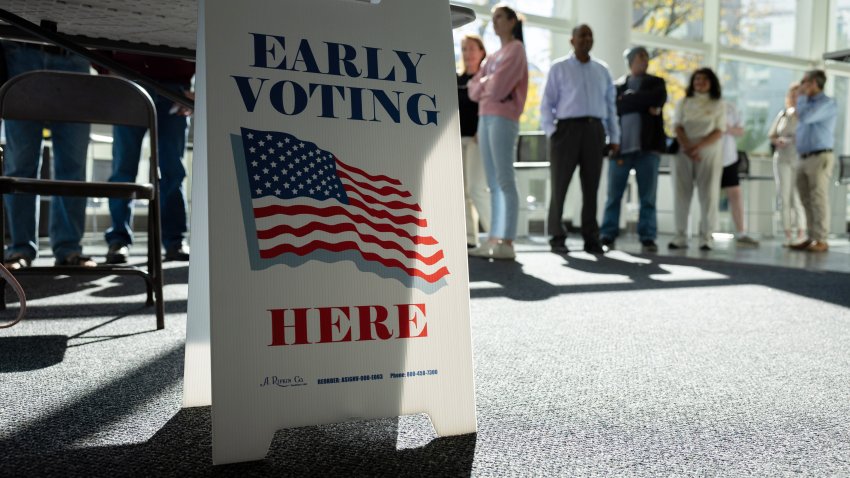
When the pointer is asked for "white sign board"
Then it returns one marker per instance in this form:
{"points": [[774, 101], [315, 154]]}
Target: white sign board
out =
{"points": [[330, 220]]}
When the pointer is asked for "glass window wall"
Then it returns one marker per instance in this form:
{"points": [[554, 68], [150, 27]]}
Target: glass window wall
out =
{"points": [[676, 68], [766, 26], [841, 93], [674, 19], [841, 23], [758, 91]]}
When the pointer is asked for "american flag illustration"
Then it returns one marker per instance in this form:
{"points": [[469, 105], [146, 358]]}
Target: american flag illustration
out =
{"points": [[307, 204]]}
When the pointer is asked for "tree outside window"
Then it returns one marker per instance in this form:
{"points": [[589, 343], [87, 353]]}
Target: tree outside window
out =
{"points": [[766, 26], [675, 19], [669, 18]]}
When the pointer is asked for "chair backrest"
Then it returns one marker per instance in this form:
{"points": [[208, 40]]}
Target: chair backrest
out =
{"points": [[843, 170], [743, 164], [532, 147], [76, 97]]}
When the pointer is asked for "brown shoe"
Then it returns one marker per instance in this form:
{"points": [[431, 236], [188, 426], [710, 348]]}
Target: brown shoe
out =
{"points": [[801, 246], [818, 246]]}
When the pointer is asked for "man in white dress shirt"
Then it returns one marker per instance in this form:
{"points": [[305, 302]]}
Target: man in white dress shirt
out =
{"points": [[578, 111]]}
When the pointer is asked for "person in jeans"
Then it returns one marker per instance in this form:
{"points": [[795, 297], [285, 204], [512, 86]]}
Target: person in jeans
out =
{"points": [[500, 88], [816, 115], [172, 128], [23, 159], [640, 97], [577, 112]]}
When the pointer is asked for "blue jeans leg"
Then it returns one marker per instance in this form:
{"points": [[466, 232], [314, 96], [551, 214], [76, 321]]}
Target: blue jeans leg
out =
{"points": [[497, 137], [173, 130], [23, 160], [126, 153], [618, 177], [646, 174], [68, 213]]}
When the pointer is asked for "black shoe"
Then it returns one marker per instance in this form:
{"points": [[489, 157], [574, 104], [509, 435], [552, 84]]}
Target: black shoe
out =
{"points": [[559, 245], [117, 254], [648, 246], [705, 247], [76, 259], [595, 248], [609, 243], [177, 252], [675, 246]]}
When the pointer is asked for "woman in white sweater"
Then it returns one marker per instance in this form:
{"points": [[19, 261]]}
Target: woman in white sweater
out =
{"points": [[783, 138], [700, 121]]}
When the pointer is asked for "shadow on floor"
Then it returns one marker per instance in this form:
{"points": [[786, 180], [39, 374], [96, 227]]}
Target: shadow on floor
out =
{"points": [[646, 272], [183, 447]]}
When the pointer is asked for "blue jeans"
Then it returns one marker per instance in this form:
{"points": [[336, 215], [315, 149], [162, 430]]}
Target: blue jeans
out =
{"points": [[126, 153], [645, 165], [497, 137], [23, 159]]}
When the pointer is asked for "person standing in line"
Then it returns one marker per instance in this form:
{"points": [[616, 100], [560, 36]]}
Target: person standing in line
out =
{"points": [[500, 88], [816, 115], [700, 121], [640, 98], [578, 110], [172, 129], [476, 195], [781, 135], [23, 159], [729, 180]]}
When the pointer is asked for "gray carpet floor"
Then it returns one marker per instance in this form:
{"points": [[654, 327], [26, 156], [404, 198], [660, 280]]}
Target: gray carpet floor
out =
{"points": [[621, 365]]}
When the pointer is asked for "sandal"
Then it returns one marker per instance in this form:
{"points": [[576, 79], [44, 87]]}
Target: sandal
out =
{"points": [[76, 259], [17, 261]]}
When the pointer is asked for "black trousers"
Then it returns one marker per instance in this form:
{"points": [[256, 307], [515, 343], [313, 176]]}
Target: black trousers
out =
{"points": [[576, 143]]}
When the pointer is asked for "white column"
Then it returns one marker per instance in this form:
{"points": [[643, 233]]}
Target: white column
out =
{"points": [[711, 32], [813, 25], [611, 22]]}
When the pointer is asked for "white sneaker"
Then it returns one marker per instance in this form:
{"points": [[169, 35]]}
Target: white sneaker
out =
{"points": [[503, 251], [499, 250], [746, 240]]}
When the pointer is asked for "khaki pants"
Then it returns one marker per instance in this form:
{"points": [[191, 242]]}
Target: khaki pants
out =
{"points": [[705, 174], [790, 207], [475, 192], [813, 175]]}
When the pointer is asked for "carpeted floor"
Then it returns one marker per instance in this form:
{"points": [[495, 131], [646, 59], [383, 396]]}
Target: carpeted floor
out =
{"points": [[622, 365]]}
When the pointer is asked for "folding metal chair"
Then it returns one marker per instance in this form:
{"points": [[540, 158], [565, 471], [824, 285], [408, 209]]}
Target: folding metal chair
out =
{"points": [[74, 97]]}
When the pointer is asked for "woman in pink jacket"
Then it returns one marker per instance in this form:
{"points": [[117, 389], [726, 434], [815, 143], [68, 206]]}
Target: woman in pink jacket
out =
{"points": [[500, 88]]}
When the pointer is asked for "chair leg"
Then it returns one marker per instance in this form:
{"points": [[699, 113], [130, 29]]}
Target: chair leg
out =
{"points": [[155, 258], [150, 284], [2, 240]]}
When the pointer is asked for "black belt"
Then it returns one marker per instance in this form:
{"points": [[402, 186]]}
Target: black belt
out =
{"points": [[580, 119], [814, 153]]}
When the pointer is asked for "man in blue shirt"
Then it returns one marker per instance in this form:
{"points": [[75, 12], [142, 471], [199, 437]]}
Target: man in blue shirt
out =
{"points": [[816, 115], [578, 110]]}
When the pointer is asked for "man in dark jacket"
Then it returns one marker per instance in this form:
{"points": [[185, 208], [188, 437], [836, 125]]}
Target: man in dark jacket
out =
{"points": [[640, 97]]}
